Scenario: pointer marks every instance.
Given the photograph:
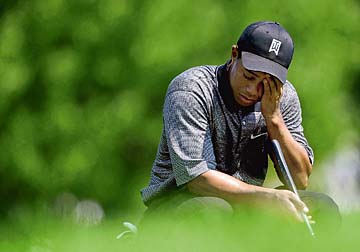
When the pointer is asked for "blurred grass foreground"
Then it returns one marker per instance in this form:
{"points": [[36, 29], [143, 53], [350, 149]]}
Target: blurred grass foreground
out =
{"points": [[250, 232], [82, 84]]}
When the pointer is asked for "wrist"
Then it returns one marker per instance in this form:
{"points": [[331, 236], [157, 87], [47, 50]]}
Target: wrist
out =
{"points": [[275, 126], [273, 119], [264, 196]]}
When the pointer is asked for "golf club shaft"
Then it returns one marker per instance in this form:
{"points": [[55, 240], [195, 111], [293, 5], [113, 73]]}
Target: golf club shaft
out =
{"points": [[288, 178]]}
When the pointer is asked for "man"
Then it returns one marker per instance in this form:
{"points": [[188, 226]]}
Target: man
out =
{"points": [[218, 121]]}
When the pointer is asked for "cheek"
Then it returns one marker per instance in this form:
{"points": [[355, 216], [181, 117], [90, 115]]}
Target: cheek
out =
{"points": [[236, 82]]}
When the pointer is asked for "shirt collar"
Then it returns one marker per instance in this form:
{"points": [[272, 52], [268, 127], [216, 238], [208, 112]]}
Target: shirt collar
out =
{"points": [[226, 92]]}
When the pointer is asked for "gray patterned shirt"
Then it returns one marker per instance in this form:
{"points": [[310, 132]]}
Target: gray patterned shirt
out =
{"points": [[204, 128]]}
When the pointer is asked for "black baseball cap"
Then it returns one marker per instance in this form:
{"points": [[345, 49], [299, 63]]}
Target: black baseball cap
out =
{"points": [[266, 47]]}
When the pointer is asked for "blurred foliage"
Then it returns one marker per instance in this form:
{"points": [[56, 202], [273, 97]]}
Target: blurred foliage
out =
{"points": [[249, 232], [82, 84]]}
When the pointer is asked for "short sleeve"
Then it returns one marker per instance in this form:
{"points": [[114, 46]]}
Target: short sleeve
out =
{"points": [[291, 112], [188, 135]]}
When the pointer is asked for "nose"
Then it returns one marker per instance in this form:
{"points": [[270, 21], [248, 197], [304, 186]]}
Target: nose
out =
{"points": [[254, 90]]}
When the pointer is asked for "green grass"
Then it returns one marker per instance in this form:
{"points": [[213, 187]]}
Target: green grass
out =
{"points": [[247, 232]]}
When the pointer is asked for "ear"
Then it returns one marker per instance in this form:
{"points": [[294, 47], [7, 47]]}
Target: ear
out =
{"points": [[234, 52]]}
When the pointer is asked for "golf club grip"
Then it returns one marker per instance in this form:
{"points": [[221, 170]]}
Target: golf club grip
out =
{"points": [[288, 178]]}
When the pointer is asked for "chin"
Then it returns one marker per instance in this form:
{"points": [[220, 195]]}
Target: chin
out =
{"points": [[246, 104]]}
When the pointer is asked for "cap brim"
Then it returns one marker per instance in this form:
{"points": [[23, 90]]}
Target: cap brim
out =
{"points": [[257, 63]]}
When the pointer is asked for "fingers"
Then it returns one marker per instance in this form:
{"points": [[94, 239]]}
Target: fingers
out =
{"points": [[300, 206], [311, 221], [291, 204], [295, 212], [267, 91], [274, 85], [280, 85], [296, 206], [302, 210]]}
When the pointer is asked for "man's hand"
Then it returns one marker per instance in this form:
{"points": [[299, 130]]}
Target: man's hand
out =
{"points": [[289, 203], [270, 101]]}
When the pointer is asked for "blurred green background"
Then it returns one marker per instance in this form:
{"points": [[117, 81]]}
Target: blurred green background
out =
{"points": [[82, 84]]}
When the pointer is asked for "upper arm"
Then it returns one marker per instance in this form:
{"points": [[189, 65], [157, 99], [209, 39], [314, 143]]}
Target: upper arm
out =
{"points": [[291, 112], [188, 135]]}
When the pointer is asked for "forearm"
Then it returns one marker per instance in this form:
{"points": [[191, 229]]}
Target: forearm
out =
{"points": [[295, 155], [218, 184]]}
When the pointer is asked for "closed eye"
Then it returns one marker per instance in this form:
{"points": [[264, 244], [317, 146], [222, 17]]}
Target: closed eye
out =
{"points": [[249, 77]]}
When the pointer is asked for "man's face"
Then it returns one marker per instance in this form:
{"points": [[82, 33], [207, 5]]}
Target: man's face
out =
{"points": [[247, 86]]}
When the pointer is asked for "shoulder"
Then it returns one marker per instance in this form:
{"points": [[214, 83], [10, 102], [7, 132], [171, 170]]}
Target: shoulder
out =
{"points": [[290, 102], [289, 88], [289, 93], [199, 72], [198, 83], [194, 88], [194, 79]]}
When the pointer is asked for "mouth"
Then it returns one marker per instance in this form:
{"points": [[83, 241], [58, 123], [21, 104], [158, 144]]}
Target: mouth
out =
{"points": [[246, 100]]}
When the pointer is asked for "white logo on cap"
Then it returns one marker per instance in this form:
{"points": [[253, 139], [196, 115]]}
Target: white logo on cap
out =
{"points": [[275, 46]]}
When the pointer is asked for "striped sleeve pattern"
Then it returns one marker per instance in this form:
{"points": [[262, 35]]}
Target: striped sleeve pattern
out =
{"points": [[291, 112]]}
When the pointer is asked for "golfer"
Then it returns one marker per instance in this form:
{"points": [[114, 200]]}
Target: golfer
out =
{"points": [[217, 125]]}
